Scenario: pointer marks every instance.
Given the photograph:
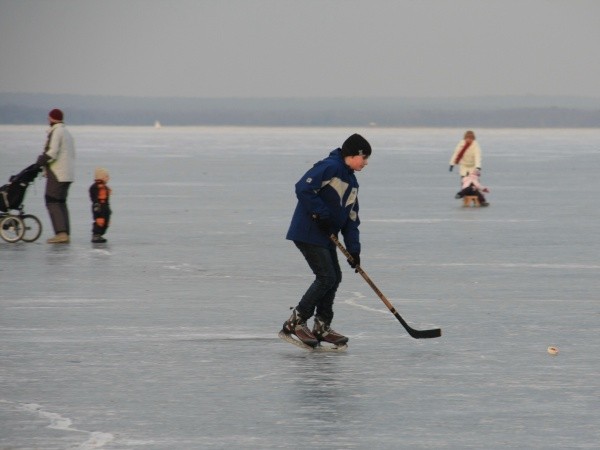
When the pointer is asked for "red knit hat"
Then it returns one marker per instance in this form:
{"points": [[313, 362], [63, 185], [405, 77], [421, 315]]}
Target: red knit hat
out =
{"points": [[56, 114]]}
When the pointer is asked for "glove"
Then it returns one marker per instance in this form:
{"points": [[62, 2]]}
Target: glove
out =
{"points": [[323, 223], [42, 160], [355, 261], [450, 169]]}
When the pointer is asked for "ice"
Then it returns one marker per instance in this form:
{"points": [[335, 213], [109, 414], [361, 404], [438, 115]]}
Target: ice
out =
{"points": [[166, 337]]}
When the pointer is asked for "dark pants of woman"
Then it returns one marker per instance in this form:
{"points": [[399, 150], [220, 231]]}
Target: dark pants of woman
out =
{"points": [[320, 295], [56, 203]]}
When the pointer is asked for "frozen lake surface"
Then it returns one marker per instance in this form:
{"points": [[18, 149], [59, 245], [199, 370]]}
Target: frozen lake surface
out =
{"points": [[165, 338]]}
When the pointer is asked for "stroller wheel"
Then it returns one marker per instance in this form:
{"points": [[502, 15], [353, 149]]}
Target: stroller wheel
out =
{"points": [[32, 227], [11, 228]]}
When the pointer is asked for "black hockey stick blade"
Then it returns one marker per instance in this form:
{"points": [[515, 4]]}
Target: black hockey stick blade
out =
{"points": [[417, 334]]}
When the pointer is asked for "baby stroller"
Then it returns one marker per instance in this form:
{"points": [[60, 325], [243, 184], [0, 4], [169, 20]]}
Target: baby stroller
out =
{"points": [[18, 226]]}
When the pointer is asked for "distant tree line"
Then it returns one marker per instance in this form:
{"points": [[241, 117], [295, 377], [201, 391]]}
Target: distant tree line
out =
{"points": [[23, 109]]}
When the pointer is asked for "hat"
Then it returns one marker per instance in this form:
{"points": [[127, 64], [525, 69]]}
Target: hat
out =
{"points": [[356, 145], [56, 114], [100, 173]]}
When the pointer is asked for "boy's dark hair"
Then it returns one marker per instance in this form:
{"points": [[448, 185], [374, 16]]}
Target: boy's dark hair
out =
{"points": [[356, 145]]}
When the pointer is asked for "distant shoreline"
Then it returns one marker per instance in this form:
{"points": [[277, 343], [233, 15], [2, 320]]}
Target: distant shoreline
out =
{"points": [[470, 112]]}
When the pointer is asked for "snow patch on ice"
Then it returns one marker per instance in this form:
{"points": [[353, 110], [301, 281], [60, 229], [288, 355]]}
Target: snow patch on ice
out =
{"points": [[101, 251], [354, 302], [437, 220], [514, 265], [96, 439], [357, 297], [184, 267]]}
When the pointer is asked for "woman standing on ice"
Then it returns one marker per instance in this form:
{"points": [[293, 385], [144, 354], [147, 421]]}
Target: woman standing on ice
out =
{"points": [[467, 155], [58, 161], [327, 204]]}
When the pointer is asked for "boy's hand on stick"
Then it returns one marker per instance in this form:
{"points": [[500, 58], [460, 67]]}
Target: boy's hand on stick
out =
{"points": [[354, 261], [323, 223]]}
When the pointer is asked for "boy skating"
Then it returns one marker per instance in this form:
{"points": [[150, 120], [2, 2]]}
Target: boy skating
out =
{"points": [[327, 204]]}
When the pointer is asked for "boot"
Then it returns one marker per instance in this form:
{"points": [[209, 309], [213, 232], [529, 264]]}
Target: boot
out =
{"points": [[324, 332], [60, 238], [296, 325], [98, 239]]}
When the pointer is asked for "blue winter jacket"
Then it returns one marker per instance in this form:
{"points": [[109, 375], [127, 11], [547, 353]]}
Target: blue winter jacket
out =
{"points": [[329, 189]]}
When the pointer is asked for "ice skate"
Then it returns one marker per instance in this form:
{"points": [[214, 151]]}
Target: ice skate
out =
{"points": [[324, 333], [296, 325]]}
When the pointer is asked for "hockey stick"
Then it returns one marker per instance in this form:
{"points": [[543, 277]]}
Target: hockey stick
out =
{"points": [[417, 334]]}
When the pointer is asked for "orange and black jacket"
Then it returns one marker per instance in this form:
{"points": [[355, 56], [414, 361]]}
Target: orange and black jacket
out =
{"points": [[100, 193]]}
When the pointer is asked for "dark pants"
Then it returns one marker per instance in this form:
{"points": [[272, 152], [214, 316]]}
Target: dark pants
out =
{"points": [[472, 191], [328, 276], [101, 213], [56, 203]]}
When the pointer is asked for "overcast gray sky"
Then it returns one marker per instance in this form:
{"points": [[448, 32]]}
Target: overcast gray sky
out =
{"points": [[300, 48]]}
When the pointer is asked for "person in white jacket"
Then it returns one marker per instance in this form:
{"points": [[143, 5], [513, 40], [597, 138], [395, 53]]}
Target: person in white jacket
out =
{"points": [[467, 155], [58, 161]]}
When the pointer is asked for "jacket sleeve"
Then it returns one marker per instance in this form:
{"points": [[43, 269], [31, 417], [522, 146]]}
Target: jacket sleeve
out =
{"points": [[455, 154], [94, 193], [477, 155], [307, 189], [54, 144], [350, 231]]}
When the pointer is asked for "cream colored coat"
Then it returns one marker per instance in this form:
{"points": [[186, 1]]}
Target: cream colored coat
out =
{"points": [[61, 151], [470, 160]]}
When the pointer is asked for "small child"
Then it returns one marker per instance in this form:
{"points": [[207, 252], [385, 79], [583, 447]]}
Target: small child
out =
{"points": [[100, 195], [472, 186]]}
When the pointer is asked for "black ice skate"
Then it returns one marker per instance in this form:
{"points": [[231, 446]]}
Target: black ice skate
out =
{"points": [[296, 325], [324, 333]]}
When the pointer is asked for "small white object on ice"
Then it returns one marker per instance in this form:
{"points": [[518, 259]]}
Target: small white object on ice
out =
{"points": [[553, 350]]}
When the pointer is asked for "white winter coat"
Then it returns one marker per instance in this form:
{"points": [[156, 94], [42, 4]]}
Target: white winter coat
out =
{"points": [[61, 150], [470, 160]]}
